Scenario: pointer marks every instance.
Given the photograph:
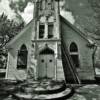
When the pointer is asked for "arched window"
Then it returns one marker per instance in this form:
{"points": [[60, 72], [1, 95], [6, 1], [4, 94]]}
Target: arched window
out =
{"points": [[74, 54], [73, 47], [22, 57]]}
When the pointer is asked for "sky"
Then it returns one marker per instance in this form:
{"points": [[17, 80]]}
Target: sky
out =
{"points": [[27, 14], [66, 14], [4, 7]]}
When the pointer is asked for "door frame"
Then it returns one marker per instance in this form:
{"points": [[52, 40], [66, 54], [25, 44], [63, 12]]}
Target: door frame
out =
{"points": [[39, 57]]}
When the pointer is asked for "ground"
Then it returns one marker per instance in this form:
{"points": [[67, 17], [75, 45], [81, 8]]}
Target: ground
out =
{"points": [[87, 92], [82, 92]]}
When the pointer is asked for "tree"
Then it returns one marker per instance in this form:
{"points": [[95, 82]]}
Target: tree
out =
{"points": [[8, 29], [19, 5], [95, 4]]}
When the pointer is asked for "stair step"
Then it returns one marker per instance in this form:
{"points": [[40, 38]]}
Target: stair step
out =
{"points": [[42, 87], [55, 96], [40, 90]]}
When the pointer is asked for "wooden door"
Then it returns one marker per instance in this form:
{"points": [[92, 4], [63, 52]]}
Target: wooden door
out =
{"points": [[46, 67]]}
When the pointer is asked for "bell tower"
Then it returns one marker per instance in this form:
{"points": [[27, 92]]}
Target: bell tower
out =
{"points": [[46, 40], [46, 15]]}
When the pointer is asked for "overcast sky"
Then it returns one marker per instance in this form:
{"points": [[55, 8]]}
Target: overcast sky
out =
{"points": [[27, 15], [4, 7]]}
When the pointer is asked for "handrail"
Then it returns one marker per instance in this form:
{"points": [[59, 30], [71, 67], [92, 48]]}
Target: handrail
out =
{"points": [[68, 63]]}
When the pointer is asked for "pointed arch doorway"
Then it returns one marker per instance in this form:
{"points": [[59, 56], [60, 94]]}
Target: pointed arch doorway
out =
{"points": [[46, 63]]}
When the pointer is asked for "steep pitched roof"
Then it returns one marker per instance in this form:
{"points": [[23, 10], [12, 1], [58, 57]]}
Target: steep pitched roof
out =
{"points": [[20, 34], [62, 19], [83, 35]]}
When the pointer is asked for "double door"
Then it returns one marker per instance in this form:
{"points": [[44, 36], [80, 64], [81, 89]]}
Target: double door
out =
{"points": [[46, 66]]}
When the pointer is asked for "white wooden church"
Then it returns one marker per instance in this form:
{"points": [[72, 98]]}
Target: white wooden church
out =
{"points": [[37, 48]]}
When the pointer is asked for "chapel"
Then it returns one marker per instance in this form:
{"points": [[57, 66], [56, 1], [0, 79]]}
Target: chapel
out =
{"points": [[36, 50]]}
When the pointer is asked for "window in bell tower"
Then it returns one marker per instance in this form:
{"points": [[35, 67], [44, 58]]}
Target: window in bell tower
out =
{"points": [[42, 5], [52, 6], [50, 31], [41, 31]]}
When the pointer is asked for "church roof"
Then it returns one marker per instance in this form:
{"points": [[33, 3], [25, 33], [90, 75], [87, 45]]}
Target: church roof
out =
{"points": [[83, 35], [29, 25]]}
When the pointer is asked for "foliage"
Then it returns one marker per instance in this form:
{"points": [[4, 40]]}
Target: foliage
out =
{"points": [[3, 59], [8, 29], [95, 4], [19, 5]]}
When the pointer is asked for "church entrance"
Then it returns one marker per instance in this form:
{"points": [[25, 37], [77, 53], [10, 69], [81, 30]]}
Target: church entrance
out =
{"points": [[46, 64]]}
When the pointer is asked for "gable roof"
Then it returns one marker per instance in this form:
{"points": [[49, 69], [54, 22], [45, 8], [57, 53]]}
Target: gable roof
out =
{"points": [[20, 34], [62, 19], [83, 35]]}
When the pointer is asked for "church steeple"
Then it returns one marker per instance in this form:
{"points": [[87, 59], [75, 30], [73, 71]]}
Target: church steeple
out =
{"points": [[46, 14], [47, 38]]}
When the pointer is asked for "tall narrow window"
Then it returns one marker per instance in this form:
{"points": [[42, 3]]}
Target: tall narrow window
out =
{"points": [[41, 31], [42, 5], [74, 54], [73, 47], [22, 58], [52, 5], [50, 31]]}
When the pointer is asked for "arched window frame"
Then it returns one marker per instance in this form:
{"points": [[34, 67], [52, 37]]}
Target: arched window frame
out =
{"points": [[22, 57], [74, 52]]}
